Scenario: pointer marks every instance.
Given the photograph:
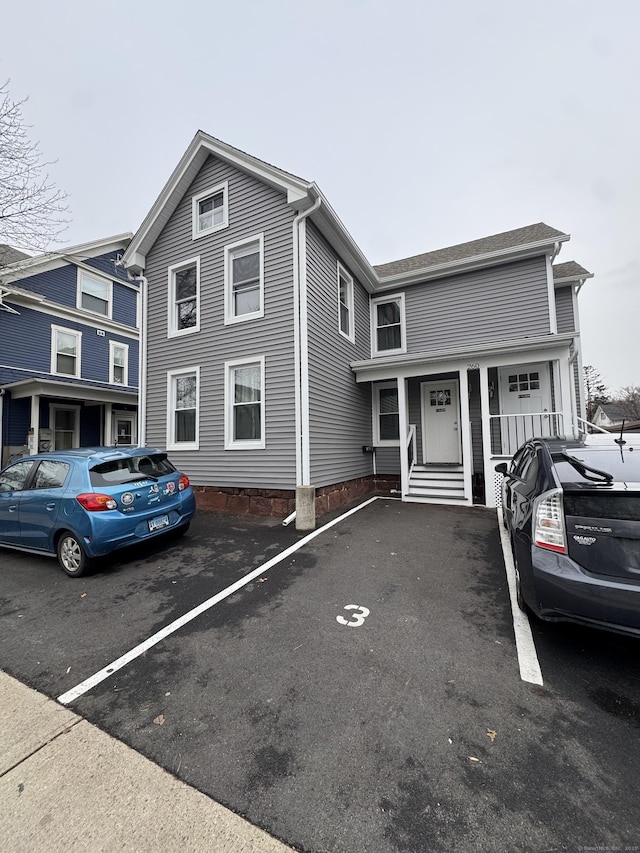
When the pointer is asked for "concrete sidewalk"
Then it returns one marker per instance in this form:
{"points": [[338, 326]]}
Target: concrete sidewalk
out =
{"points": [[65, 785]]}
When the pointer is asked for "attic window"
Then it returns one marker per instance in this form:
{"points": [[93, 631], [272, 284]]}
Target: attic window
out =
{"points": [[210, 210], [94, 293]]}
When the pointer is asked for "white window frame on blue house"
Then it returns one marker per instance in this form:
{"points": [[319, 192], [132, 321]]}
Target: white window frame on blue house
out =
{"points": [[113, 347], [84, 281], [230, 404], [173, 331], [398, 298], [54, 351], [197, 216], [249, 246], [345, 304], [172, 408]]}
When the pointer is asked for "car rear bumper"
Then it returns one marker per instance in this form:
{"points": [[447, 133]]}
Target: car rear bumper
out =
{"points": [[112, 530], [565, 591]]}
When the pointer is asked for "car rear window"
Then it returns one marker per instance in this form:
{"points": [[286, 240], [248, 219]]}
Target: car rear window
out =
{"points": [[603, 505], [116, 472], [624, 467]]}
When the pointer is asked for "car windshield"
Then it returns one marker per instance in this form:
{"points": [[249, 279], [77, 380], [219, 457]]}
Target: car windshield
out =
{"points": [[116, 472], [622, 466]]}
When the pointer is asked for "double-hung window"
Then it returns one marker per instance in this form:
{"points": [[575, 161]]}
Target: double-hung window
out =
{"points": [[244, 404], [183, 396], [65, 351], [244, 280], [184, 298], [388, 325], [118, 363], [345, 304], [386, 425], [94, 293], [210, 210]]}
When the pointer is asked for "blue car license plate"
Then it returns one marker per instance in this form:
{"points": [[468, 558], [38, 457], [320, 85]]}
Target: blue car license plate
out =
{"points": [[158, 522]]}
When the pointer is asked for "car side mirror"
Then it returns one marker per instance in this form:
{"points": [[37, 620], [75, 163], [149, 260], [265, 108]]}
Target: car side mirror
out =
{"points": [[502, 468]]}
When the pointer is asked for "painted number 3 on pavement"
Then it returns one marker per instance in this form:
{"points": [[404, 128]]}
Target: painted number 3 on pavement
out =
{"points": [[357, 617]]}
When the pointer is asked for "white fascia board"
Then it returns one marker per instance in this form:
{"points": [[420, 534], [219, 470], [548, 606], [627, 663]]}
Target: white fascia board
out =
{"points": [[70, 390], [374, 368], [515, 253], [332, 228], [201, 146], [55, 260], [76, 315], [572, 279]]}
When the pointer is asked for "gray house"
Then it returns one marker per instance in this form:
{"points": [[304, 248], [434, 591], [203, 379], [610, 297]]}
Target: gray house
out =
{"points": [[280, 363]]}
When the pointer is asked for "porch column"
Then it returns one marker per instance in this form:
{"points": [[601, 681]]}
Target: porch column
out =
{"points": [[35, 425], [489, 473], [465, 428], [107, 428], [561, 372], [403, 425]]}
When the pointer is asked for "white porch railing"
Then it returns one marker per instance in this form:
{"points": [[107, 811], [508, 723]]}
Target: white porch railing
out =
{"points": [[586, 427], [411, 447], [508, 432]]}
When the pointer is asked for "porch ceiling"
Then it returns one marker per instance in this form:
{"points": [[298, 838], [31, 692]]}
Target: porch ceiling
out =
{"points": [[69, 391]]}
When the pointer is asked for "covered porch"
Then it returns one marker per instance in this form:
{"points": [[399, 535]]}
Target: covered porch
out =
{"points": [[442, 421]]}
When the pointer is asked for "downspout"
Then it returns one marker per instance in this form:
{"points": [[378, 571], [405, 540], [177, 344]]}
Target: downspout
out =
{"points": [[305, 513], [301, 352], [142, 362]]}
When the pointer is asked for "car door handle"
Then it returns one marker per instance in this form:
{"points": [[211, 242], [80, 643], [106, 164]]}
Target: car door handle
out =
{"points": [[51, 506], [13, 508]]}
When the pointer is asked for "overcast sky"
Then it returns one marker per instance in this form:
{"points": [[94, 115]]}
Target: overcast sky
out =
{"points": [[425, 124]]}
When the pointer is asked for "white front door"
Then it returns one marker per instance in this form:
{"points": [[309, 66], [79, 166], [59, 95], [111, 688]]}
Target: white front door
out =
{"points": [[525, 394], [64, 422], [125, 428], [440, 421]]}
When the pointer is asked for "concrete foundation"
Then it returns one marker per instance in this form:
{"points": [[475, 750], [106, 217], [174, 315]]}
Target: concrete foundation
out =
{"points": [[305, 507]]}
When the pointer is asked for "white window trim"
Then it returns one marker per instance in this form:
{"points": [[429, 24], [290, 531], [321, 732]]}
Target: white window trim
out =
{"points": [[112, 349], [229, 442], [172, 320], [350, 334], [399, 298], [103, 278], [232, 248], [224, 189], [172, 444], [54, 352], [377, 441]]}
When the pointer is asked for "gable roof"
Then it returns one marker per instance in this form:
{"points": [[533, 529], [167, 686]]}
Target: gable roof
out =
{"points": [[9, 255], [300, 194], [27, 266], [508, 245]]}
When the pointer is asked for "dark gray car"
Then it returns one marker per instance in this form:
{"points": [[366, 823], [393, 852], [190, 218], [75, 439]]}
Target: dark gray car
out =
{"points": [[572, 510]]}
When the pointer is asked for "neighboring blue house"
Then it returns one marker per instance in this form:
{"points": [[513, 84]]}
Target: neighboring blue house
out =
{"points": [[68, 349]]}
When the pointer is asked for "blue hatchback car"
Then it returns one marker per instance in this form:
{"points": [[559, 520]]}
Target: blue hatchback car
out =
{"points": [[84, 503]]}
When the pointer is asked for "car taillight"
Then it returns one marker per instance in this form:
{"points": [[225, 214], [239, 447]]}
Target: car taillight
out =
{"points": [[183, 482], [548, 522], [95, 502]]}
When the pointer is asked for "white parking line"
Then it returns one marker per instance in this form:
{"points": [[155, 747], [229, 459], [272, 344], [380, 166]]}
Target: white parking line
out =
{"points": [[103, 674], [527, 657]]}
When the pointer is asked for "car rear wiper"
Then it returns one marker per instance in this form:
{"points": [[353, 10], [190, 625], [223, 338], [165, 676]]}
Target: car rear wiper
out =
{"points": [[586, 470]]}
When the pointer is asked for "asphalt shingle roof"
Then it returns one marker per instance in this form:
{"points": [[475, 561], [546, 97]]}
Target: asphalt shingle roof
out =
{"points": [[569, 269], [467, 251], [9, 255]]}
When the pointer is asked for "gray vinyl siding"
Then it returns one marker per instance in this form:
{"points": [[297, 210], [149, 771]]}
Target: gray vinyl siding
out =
{"points": [[339, 408], [564, 309], [388, 460], [254, 208], [497, 304]]}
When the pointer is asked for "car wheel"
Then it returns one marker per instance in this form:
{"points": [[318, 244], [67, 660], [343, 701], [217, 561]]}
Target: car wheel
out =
{"points": [[71, 555], [519, 597]]}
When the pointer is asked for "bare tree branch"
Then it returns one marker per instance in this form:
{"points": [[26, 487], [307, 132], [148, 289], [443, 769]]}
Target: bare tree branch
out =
{"points": [[32, 209]]}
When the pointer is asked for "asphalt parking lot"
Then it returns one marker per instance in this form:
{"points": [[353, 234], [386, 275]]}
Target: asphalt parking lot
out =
{"points": [[361, 694]]}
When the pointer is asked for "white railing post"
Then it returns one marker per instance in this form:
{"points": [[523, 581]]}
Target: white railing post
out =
{"points": [[402, 424]]}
